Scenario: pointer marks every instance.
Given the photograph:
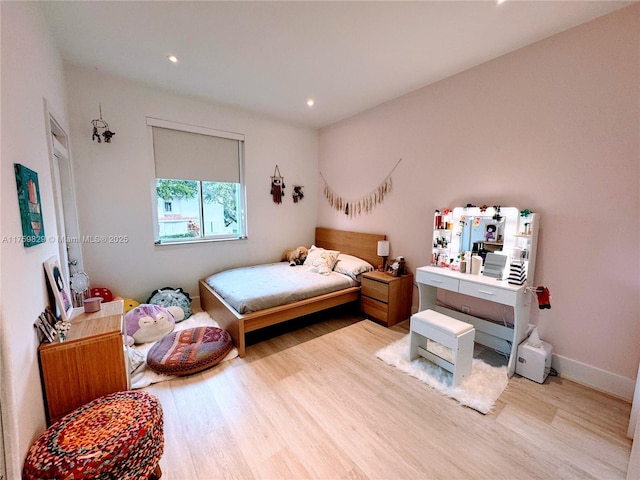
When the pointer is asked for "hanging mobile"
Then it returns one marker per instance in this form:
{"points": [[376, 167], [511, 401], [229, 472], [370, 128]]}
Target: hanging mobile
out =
{"points": [[98, 125]]}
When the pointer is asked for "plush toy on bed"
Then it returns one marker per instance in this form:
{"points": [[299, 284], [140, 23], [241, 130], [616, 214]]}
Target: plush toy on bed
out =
{"points": [[295, 256], [148, 323], [177, 301]]}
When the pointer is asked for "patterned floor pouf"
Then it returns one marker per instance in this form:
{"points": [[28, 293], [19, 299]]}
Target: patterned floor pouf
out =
{"points": [[118, 436], [189, 351]]}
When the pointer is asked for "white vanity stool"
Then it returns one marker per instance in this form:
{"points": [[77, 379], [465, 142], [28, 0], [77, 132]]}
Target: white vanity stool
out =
{"points": [[447, 331]]}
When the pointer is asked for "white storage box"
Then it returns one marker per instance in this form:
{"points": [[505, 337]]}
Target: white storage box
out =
{"points": [[534, 363]]}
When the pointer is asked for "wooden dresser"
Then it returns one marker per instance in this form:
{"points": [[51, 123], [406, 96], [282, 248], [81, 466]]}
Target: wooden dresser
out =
{"points": [[88, 364]]}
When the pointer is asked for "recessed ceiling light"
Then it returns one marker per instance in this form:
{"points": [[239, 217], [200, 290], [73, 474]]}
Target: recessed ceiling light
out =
{"points": [[310, 102], [500, 2], [172, 58]]}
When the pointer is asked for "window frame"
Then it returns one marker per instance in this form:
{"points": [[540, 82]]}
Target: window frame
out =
{"points": [[242, 207]]}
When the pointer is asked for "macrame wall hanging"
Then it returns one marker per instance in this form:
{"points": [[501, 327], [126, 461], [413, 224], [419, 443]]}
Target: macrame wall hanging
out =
{"points": [[364, 204], [277, 186]]}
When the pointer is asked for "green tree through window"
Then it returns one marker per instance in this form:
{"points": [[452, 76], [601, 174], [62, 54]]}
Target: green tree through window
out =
{"points": [[202, 209]]}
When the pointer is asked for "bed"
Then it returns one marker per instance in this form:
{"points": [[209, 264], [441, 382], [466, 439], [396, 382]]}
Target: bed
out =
{"points": [[361, 245]]}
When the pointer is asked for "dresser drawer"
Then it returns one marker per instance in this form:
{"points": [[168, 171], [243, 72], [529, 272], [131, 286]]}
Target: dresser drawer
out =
{"points": [[376, 309], [435, 280], [375, 289], [488, 292]]}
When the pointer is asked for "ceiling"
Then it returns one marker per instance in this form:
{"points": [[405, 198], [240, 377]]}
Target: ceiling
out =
{"points": [[270, 57]]}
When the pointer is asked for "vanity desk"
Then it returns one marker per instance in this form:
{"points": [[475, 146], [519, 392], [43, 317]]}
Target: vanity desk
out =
{"points": [[503, 231], [494, 335]]}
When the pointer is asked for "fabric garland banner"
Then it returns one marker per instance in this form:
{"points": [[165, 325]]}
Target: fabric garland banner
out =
{"points": [[364, 204]]}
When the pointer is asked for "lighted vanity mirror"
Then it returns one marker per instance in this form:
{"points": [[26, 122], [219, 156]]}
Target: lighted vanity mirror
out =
{"points": [[502, 230], [479, 231]]}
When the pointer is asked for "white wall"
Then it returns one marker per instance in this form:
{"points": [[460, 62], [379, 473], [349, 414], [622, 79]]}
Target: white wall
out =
{"points": [[553, 127], [114, 196], [31, 71], [114, 185]]}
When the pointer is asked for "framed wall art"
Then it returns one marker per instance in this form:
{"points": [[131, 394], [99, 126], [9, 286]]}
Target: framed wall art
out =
{"points": [[30, 208], [59, 288]]}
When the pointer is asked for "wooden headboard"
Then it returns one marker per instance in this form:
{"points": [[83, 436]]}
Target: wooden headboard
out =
{"points": [[362, 245]]}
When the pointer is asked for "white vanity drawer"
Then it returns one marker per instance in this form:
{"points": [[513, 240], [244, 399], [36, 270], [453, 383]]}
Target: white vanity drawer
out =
{"points": [[488, 292], [435, 280]]}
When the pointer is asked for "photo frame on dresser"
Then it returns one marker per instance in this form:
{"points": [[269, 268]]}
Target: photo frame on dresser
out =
{"points": [[392, 271], [59, 287], [46, 328]]}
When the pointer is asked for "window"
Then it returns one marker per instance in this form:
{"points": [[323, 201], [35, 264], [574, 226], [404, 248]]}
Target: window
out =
{"points": [[199, 185]]}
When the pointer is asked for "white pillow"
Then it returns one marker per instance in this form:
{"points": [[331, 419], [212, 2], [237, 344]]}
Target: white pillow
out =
{"points": [[352, 266], [321, 260]]}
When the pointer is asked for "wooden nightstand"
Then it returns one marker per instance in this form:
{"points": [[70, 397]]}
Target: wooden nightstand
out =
{"points": [[88, 364], [386, 298]]}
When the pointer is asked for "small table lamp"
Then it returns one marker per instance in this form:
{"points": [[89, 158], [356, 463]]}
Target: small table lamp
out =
{"points": [[383, 251]]}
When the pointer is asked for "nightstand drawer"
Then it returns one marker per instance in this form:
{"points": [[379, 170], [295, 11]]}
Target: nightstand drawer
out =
{"points": [[487, 292], [435, 280], [375, 289], [374, 308]]}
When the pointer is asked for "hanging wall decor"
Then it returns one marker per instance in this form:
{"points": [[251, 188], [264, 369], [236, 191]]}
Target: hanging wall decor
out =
{"points": [[277, 186], [297, 193], [364, 204], [101, 127], [30, 208]]}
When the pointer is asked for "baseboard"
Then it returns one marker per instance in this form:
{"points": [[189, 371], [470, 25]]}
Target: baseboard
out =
{"points": [[607, 382]]}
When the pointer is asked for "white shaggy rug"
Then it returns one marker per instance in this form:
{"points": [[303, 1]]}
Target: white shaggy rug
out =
{"points": [[142, 375], [479, 391]]}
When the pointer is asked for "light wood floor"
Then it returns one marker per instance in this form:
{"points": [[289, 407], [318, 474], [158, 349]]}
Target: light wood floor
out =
{"points": [[315, 403]]}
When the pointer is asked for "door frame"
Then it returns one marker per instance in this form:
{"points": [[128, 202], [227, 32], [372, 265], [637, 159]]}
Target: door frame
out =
{"points": [[64, 194]]}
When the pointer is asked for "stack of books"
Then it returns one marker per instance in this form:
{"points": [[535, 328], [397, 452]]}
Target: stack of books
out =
{"points": [[517, 272]]}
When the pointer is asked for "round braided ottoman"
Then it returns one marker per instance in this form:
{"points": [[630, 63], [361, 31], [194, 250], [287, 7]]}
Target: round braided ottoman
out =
{"points": [[117, 436]]}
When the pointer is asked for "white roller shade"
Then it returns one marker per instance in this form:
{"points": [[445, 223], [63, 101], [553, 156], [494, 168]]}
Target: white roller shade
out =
{"points": [[192, 156]]}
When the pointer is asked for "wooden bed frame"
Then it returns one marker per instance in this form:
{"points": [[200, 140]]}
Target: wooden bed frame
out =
{"points": [[362, 245]]}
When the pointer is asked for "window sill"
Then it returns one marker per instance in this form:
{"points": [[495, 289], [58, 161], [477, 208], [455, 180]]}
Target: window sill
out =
{"points": [[203, 240]]}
